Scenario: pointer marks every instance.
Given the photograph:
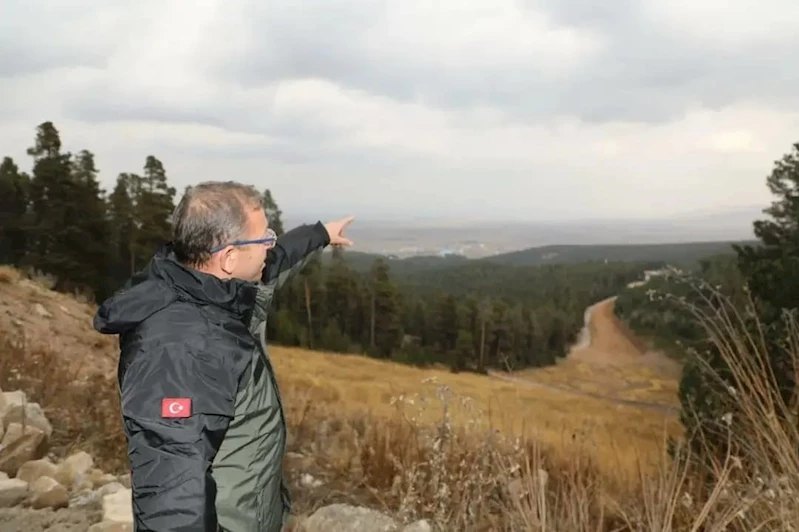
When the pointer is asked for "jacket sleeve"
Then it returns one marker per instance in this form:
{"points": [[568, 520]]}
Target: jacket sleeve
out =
{"points": [[292, 251], [171, 454]]}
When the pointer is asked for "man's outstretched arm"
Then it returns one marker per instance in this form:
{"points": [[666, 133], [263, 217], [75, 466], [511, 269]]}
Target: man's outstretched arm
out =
{"points": [[177, 404], [293, 248]]}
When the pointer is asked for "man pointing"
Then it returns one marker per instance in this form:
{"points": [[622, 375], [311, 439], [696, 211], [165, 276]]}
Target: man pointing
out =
{"points": [[201, 407]]}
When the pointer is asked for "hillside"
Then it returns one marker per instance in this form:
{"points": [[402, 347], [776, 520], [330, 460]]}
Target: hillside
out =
{"points": [[586, 437], [333, 403], [62, 325], [51, 321]]}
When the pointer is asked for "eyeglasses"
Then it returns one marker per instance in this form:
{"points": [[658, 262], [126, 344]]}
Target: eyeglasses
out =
{"points": [[269, 240]]}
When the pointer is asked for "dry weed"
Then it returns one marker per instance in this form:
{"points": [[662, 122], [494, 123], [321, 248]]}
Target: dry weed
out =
{"points": [[84, 411], [9, 274]]}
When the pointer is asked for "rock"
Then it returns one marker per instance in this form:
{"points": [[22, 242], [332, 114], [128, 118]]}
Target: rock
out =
{"points": [[111, 488], [11, 399], [100, 479], [72, 471], [111, 526], [12, 492], [85, 498], [19, 447], [48, 493], [34, 469], [41, 311], [422, 525], [30, 415], [83, 483], [309, 481], [117, 507], [348, 518]]}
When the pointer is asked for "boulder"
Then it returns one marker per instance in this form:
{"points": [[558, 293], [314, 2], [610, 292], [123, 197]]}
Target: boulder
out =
{"points": [[20, 446], [422, 525], [348, 518], [100, 479], [30, 471], [72, 471], [28, 414], [117, 507], [46, 492], [12, 492]]}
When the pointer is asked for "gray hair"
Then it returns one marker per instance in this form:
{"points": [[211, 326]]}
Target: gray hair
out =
{"points": [[211, 214]]}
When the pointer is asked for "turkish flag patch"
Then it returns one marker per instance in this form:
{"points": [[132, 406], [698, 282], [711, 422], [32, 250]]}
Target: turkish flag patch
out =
{"points": [[176, 407]]}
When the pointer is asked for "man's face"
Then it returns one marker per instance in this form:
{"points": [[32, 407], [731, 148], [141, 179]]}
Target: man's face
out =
{"points": [[251, 258]]}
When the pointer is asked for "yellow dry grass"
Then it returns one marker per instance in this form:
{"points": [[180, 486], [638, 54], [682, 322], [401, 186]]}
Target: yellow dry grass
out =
{"points": [[620, 438], [631, 381]]}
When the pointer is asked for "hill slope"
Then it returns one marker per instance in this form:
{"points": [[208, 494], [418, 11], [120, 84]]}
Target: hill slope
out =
{"points": [[345, 384]]}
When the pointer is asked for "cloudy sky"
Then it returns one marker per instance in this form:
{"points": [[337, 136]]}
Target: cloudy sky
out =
{"points": [[491, 109]]}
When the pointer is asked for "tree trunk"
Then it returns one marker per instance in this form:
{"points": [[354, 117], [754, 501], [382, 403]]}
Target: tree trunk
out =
{"points": [[308, 312], [372, 324], [482, 341]]}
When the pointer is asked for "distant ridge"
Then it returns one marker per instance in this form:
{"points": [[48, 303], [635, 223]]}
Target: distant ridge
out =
{"points": [[684, 254], [678, 254]]}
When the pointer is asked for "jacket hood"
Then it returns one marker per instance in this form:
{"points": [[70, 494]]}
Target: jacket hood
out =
{"points": [[162, 282]]}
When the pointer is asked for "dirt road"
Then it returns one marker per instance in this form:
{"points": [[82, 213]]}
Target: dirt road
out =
{"points": [[606, 341]]}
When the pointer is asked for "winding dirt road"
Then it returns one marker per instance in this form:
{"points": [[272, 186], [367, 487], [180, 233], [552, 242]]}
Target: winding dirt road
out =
{"points": [[606, 341]]}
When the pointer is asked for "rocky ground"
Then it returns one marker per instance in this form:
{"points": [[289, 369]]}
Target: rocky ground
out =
{"points": [[40, 491]]}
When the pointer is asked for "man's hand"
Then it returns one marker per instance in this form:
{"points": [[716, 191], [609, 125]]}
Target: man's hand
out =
{"points": [[335, 230]]}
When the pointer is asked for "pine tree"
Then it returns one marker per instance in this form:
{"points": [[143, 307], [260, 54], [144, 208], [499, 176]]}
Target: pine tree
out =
{"points": [[92, 224], [273, 213], [343, 294], [14, 191], [55, 242], [121, 218], [386, 325], [770, 270], [154, 201], [447, 323]]}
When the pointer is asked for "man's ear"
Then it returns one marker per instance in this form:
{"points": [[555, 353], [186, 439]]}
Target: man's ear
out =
{"points": [[227, 262]]}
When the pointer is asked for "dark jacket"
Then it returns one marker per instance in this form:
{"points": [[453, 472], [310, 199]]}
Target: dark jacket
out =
{"points": [[201, 408]]}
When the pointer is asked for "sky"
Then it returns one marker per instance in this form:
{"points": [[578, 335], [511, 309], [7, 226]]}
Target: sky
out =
{"points": [[499, 109]]}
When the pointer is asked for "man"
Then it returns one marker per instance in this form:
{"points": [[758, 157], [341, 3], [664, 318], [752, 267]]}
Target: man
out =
{"points": [[201, 408]]}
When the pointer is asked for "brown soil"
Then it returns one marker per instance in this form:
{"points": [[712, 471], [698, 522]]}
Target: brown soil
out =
{"points": [[55, 321]]}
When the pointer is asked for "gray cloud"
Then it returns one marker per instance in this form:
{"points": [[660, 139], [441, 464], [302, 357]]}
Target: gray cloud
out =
{"points": [[644, 69], [452, 104]]}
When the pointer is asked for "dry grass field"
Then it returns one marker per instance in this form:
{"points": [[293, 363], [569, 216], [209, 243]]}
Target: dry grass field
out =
{"points": [[619, 437], [548, 449]]}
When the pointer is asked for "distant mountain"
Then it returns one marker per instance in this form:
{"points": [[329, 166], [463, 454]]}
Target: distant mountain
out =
{"points": [[678, 254], [685, 255]]}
